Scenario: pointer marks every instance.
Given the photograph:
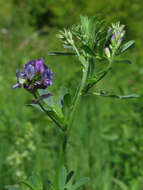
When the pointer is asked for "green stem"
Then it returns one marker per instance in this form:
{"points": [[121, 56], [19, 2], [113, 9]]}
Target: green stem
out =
{"points": [[83, 82], [64, 147], [63, 157], [77, 98]]}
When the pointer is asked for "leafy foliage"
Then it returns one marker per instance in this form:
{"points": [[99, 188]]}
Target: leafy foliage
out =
{"points": [[65, 181], [121, 128]]}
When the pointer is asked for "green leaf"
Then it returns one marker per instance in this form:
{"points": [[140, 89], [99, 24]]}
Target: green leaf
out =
{"points": [[106, 95], [10, 187], [62, 178], [64, 99], [87, 50], [92, 80], [95, 79], [42, 97], [58, 111], [123, 97], [125, 46], [69, 180], [54, 109], [85, 25], [36, 181], [123, 61], [29, 184], [67, 100], [79, 183], [49, 101], [43, 91], [110, 137], [91, 67], [36, 106], [69, 176], [63, 91], [109, 34], [101, 47], [62, 53], [122, 185], [69, 47], [83, 61], [55, 115]]}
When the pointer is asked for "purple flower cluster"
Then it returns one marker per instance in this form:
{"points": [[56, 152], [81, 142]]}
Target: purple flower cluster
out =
{"points": [[35, 75]]}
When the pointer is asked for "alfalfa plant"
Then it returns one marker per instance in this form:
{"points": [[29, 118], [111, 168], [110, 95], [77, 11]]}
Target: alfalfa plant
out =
{"points": [[92, 44]]}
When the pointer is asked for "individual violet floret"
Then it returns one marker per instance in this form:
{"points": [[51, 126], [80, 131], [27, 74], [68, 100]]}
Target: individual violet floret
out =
{"points": [[35, 75]]}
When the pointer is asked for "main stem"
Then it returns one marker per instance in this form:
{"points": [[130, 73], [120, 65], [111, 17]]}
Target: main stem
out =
{"points": [[75, 104]]}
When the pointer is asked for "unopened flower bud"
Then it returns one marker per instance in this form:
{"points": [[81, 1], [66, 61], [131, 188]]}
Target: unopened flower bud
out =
{"points": [[107, 52], [122, 34]]}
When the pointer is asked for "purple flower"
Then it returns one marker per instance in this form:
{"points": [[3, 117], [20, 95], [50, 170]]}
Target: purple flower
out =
{"points": [[18, 85], [35, 75], [47, 77], [39, 66]]}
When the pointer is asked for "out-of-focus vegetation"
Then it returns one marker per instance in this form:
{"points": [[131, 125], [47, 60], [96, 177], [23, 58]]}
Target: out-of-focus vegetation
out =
{"points": [[107, 141]]}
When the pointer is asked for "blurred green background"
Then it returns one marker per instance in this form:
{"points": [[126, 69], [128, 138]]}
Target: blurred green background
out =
{"points": [[107, 139]]}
